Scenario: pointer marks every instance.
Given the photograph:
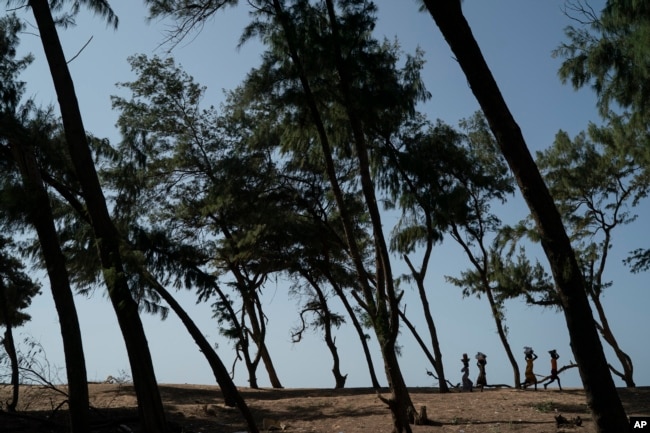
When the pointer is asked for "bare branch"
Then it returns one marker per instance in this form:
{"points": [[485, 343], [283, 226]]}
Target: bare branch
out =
{"points": [[79, 52]]}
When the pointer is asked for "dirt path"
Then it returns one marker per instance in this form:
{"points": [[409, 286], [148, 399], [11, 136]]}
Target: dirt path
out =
{"points": [[197, 408]]}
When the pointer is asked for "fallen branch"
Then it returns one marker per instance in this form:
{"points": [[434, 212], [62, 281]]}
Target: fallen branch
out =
{"points": [[497, 385], [430, 373], [564, 368]]}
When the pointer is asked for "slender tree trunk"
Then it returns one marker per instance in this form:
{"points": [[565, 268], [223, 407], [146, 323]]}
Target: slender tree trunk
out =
{"points": [[359, 329], [435, 360], [252, 307], [40, 214], [626, 362], [496, 314], [603, 327], [326, 317], [10, 348], [400, 400], [339, 379], [230, 392], [251, 367], [387, 320], [270, 368], [258, 328], [144, 380], [422, 345], [602, 398]]}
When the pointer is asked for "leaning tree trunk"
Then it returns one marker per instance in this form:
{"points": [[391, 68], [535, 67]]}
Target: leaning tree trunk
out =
{"points": [[144, 380], [386, 320], [41, 217], [358, 328], [10, 348], [400, 400], [270, 368], [602, 398], [436, 358], [496, 314], [326, 317], [626, 362], [231, 394], [386, 323], [253, 308]]}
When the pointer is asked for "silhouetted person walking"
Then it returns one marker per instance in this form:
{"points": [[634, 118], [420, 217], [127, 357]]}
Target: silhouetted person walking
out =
{"points": [[554, 357], [530, 378], [467, 383], [481, 381]]}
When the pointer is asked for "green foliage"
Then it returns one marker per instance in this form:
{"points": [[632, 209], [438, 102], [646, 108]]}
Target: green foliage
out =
{"points": [[544, 407], [69, 9], [188, 16], [17, 288], [10, 88], [595, 186], [609, 51]]}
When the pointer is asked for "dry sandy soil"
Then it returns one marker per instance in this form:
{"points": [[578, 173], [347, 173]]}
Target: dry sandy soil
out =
{"points": [[197, 408]]}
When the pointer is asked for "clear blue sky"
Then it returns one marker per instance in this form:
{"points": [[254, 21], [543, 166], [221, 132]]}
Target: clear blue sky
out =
{"points": [[516, 36]]}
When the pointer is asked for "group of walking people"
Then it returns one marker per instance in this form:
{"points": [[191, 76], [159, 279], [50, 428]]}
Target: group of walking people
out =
{"points": [[530, 379]]}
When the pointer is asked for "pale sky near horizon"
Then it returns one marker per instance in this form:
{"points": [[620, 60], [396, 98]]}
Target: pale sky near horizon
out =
{"points": [[516, 37]]}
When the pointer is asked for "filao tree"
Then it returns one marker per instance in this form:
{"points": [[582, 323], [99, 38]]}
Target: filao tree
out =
{"points": [[608, 52], [323, 64], [471, 177], [22, 133], [595, 187], [16, 293], [602, 398], [107, 239], [210, 192], [324, 70]]}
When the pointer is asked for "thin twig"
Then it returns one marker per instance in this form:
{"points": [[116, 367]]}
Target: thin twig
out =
{"points": [[79, 52]]}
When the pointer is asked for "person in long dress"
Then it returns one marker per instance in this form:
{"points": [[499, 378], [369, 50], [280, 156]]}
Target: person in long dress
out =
{"points": [[481, 381], [467, 383], [530, 378]]}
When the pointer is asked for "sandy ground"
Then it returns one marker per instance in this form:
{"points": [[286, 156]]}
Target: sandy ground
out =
{"points": [[198, 409]]}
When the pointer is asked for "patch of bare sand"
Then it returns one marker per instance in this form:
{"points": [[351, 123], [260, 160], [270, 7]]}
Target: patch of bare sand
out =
{"points": [[198, 408]]}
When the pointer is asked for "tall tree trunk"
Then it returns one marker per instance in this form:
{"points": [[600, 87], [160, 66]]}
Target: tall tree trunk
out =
{"points": [[270, 368], [326, 318], [400, 400], [602, 398], [231, 394], [144, 380], [435, 360], [419, 276], [603, 327], [41, 217], [386, 321], [422, 345], [253, 308], [358, 328], [10, 348], [496, 314]]}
